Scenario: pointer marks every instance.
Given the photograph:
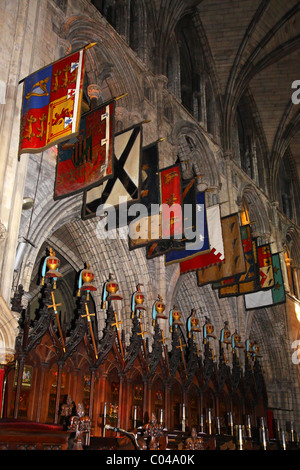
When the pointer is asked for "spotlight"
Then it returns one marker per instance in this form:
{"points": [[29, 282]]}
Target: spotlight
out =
{"points": [[27, 203]]}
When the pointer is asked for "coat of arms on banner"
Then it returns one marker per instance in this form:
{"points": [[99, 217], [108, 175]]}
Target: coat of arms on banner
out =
{"points": [[52, 103], [85, 160], [125, 184]]}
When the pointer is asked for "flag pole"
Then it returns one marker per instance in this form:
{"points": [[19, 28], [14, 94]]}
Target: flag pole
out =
{"points": [[87, 46]]}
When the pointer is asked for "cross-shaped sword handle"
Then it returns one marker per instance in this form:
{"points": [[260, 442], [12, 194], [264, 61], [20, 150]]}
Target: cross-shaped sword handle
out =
{"points": [[88, 314], [117, 323], [163, 340], [54, 305], [142, 333], [181, 345]]}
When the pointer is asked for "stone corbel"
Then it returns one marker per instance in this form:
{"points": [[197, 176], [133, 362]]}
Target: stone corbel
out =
{"points": [[94, 93]]}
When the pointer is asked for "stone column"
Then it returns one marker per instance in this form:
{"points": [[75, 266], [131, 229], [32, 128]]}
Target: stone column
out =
{"points": [[12, 171], [228, 170]]}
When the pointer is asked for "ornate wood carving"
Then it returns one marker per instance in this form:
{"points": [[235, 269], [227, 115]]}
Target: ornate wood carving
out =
{"points": [[42, 321], [223, 370], [192, 359], [109, 337], [80, 329], [16, 301], [175, 355], [156, 353], [248, 375], [236, 372], [134, 347], [208, 365]]}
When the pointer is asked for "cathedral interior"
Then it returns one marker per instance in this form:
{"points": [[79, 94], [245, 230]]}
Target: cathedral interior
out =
{"points": [[214, 86]]}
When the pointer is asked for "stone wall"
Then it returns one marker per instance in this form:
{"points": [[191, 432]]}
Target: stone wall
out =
{"points": [[42, 31]]}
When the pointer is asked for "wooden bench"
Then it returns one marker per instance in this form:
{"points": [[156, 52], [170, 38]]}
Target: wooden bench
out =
{"points": [[28, 435]]}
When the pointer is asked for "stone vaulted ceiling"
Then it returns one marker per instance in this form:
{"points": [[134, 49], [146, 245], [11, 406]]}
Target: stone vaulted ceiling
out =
{"points": [[252, 47], [255, 46]]}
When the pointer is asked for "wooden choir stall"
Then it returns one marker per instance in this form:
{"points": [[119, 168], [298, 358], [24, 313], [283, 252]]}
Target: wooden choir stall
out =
{"points": [[102, 394]]}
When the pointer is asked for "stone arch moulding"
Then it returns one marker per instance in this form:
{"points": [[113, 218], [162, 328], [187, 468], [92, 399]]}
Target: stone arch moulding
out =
{"points": [[257, 211], [107, 59], [8, 329], [202, 156], [291, 235], [56, 216]]}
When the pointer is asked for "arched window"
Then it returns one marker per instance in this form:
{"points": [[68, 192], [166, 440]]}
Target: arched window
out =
{"points": [[244, 214], [133, 27], [245, 144], [285, 189], [190, 67], [108, 9]]}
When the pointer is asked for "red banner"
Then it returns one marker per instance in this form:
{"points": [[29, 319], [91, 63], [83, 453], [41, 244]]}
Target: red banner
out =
{"points": [[171, 200], [52, 103], [86, 160], [266, 273]]}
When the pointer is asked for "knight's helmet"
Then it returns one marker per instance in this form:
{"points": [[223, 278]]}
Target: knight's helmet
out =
{"points": [[137, 301], [86, 277], [50, 268], [236, 341], [110, 290], [158, 309], [174, 318], [225, 335], [208, 330], [193, 323]]}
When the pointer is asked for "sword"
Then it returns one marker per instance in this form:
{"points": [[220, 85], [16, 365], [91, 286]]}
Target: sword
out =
{"points": [[142, 333], [54, 306], [88, 316], [181, 346], [163, 340], [116, 324]]}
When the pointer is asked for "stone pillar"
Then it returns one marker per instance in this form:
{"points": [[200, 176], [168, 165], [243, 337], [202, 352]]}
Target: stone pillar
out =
{"points": [[228, 172], [12, 171], [161, 81]]}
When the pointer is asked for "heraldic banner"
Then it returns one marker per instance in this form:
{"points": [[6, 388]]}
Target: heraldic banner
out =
{"points": [[268, 297], [233, 252], [86, 160], [51, 104], [125, 183]]}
